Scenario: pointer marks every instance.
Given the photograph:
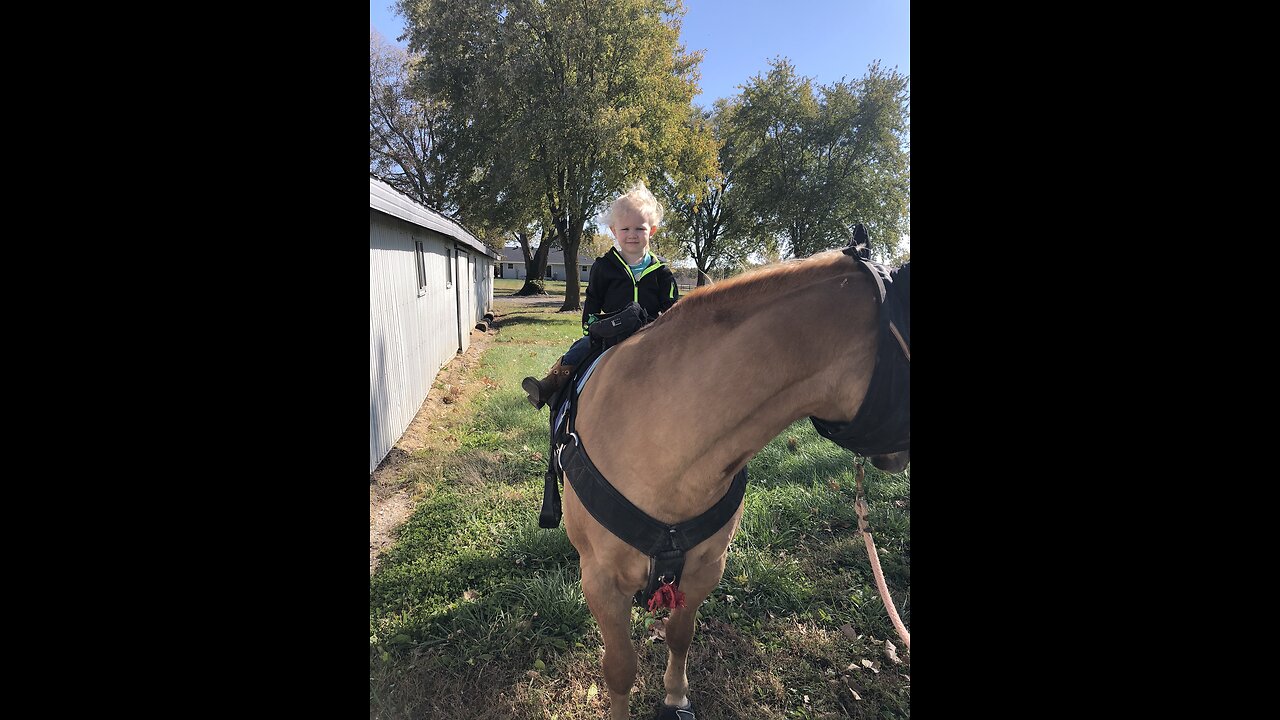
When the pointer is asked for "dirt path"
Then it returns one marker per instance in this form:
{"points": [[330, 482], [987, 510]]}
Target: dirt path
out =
{"points": [[390, 499]]}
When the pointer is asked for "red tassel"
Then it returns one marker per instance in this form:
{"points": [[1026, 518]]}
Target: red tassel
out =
{"points": [[667, 596]]}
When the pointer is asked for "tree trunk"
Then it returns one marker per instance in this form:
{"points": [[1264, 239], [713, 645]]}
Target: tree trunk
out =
{"points": [[703, 278], [570, 241], [533, 282]]}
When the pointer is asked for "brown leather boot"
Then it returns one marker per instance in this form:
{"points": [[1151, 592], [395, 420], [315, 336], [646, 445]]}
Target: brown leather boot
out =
{"points": [[540, 391]]}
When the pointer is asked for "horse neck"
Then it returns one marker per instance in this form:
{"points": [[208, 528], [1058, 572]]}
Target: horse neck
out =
{"points": [[708, 389]]}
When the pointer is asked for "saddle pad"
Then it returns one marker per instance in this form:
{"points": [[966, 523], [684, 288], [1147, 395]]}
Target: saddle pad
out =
{"points": [[582, 382]]}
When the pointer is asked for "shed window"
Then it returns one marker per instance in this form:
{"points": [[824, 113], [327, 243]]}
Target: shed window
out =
{"points": [[420, 260], [448, 266], [511, 266], [584, 268]]}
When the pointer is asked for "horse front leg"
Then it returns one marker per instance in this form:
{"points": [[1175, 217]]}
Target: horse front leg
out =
{"points": [[679, 629], [612, 611]]}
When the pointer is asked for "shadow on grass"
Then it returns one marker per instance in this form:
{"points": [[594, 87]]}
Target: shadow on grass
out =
{"points": [[509, 321]]}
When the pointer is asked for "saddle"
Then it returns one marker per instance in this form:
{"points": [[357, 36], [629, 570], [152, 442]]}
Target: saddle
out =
{"points": [[606, 332]]}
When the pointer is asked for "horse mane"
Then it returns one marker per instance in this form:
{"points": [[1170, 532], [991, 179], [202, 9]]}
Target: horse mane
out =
{"points": [[722, 299]]}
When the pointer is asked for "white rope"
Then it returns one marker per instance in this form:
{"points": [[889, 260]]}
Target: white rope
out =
{"points": [[860, 506]]}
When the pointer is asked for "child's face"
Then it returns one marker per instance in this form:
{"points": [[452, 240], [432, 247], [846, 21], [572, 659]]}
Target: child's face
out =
{"points": [[632, 231]]}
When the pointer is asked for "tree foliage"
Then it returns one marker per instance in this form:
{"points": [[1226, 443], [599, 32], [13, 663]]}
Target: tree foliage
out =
{"points": [[412, 141], [703, 212], [815, 162], [404, 130]]}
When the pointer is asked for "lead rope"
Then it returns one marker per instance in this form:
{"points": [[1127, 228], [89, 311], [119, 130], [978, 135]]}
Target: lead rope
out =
{"points": [[860, 507]]}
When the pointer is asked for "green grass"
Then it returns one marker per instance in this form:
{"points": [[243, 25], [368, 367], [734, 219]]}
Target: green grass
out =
{"points": [[505, 287], [475, 606]]}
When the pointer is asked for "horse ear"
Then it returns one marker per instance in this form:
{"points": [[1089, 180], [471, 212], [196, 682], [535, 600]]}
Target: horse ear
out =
{"points": [[860, 235]]}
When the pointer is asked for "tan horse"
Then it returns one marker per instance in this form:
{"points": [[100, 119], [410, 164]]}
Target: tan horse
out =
{"points": [[672, 414]]}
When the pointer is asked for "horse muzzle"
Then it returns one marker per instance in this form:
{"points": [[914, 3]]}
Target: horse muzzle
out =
{"points": [[893, 462]]}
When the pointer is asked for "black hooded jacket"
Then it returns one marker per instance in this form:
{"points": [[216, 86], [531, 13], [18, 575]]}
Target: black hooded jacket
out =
{"points": [[610, 287]]}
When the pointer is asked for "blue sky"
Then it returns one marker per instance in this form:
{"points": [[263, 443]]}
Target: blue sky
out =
{"points": [[824, 39]]}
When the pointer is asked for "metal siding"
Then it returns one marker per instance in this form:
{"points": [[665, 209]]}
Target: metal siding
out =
{"points": [[410, 337], [462, 277], [484, 286]]}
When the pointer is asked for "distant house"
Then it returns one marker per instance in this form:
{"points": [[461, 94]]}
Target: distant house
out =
{"points": [[512, 265], [430, 282]]}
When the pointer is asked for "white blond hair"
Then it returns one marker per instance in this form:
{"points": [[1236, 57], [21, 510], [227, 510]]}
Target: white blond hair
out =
{"points": [[638, 197]]}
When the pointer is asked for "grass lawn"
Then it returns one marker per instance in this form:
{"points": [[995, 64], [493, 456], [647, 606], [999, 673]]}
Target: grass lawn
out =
{"points": [[505, 287], [477, 612]]}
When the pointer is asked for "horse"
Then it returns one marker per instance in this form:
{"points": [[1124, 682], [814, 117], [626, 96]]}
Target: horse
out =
{"points": [[674, 413]]}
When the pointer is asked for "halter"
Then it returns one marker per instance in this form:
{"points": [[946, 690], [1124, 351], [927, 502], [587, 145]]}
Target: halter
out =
{"points": [[883, 423]]}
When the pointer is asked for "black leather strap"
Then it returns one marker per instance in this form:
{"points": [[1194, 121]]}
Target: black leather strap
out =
{"points": [[622, 518]]}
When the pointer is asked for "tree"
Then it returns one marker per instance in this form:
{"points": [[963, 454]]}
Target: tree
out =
{"points": [[598, 244], [576, 97], [404, 129], [817, 163], [704, 215], [535, 259]]}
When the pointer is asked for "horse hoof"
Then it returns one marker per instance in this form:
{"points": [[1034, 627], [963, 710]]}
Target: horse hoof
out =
{"points": [[666, 712]]}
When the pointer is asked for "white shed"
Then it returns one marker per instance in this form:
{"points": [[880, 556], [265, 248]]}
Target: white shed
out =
{"points": [[430, 282]]}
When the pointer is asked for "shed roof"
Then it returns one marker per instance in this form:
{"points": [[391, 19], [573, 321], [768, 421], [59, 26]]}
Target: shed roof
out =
{"points": [[384, 198]]}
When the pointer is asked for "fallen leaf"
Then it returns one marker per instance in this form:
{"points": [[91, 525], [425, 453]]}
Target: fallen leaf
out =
{"points": [[470, 595], [891, 652], [855, 694], [592, 691], [870, 666], [849, 632], [539, 665]]}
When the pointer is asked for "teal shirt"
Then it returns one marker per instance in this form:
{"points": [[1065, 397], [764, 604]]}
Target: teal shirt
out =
{"points": [[639, 267]]}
